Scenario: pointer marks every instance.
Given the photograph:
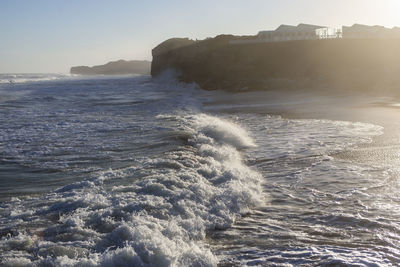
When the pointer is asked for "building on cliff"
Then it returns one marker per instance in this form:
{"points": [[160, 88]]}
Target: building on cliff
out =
{"points": [[363, 65], [359, 31], [299, 32], [314, 32]]}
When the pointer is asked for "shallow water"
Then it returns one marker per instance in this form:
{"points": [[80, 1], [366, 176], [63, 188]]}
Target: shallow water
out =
{"points": [[129, 171]]}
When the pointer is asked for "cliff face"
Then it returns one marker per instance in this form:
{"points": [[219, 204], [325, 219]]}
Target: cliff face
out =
{"points": [[335, 64], [120, 67]]}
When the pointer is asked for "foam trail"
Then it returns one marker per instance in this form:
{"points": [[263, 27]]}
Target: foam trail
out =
{"points": [[158, 220], [27, 78]]}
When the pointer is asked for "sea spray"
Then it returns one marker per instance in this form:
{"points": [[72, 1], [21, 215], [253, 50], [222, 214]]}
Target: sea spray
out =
{"points": [[159, 219], [92, 176], [29, 78]]}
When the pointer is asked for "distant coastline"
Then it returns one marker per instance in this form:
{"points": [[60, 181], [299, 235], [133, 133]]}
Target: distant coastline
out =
{"points": [[330, 65], [120, 67]]}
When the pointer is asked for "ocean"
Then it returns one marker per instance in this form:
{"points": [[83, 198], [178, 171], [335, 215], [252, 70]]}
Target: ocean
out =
{"points": [[136, 171]]}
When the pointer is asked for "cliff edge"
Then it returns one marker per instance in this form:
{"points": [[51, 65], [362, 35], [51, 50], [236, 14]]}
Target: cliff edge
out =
{"points": [[119, 67], [367, 65]]}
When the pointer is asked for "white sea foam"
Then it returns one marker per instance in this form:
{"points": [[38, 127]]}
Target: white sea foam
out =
{"points": [[308, 137], [158, 220], [25, 78], [166, 180]]}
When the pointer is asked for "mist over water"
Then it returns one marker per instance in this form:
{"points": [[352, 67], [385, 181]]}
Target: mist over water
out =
{"points": [[134, 171], [34, 77]]}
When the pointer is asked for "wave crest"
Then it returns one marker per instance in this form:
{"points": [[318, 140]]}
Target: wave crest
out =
{"points": [[159, 212]]}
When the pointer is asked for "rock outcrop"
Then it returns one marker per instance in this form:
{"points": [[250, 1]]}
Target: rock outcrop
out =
{"points": [[369, 65], [119, 67]]}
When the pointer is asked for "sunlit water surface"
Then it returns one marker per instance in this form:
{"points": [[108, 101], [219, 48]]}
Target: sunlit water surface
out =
{"points": [[131, 171]]}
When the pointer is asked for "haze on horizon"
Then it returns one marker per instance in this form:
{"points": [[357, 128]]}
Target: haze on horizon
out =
{"points": [[53, 35]]}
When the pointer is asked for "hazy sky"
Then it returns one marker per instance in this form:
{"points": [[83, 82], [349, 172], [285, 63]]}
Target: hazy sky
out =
{"points": [[52, 35]]}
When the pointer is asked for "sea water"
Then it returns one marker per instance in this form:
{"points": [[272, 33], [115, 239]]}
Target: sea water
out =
{"points": [[135, 171]]}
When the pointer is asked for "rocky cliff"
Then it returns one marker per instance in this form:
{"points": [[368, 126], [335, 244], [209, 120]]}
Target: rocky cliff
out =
{"points": [[371, 65], [120, 67]]}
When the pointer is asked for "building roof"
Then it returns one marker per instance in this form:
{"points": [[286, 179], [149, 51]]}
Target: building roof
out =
{"points": [[264, 32], [362, 27], [303, 26], [357, 25], [285, 28]]}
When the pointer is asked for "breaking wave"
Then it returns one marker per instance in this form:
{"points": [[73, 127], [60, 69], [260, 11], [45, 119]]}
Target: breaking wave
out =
{"points": [[156, 213]]}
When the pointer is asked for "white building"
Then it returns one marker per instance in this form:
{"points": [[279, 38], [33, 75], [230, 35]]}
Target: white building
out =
{"points": [[329, 33], [299, 32], [315, 32]]}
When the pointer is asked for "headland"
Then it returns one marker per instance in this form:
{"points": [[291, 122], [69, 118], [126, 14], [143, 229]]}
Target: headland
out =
{"points": [[120, 67], [227, 62]]}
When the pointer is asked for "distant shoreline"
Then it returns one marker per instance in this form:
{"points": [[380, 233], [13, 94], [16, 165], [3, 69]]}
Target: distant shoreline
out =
{"points": [[120, 67]]}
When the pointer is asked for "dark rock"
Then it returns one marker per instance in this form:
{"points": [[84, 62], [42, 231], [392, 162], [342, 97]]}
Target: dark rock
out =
{"points": [[368, 65]]}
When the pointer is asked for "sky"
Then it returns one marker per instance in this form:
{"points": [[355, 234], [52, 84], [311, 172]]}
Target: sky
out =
{"points": [[50, 36]]}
